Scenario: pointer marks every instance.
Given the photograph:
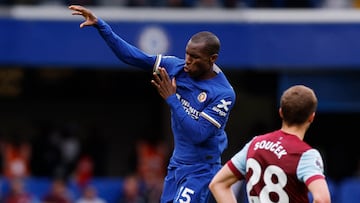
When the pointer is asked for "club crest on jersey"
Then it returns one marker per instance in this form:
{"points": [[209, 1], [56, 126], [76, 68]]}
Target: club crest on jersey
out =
{"points": [[202, 97]]}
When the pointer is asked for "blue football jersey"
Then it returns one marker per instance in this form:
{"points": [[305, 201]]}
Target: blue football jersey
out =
{"points": [[199, 112]]}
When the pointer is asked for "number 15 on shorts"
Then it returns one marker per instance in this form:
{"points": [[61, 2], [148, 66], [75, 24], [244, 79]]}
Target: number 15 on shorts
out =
{"points": [[184, 195]]}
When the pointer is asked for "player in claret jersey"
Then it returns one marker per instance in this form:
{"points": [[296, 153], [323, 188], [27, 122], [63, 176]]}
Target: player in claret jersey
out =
{"points": [[200, 99], [278, 166]]}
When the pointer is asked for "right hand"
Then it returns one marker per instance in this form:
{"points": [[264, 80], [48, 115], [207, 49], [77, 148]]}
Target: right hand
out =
{"points": [[90, 18], [164, 85]]}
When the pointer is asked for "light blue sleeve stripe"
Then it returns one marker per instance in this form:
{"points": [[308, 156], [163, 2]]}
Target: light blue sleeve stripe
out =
{"points": [[310, 164], [239, 159]]}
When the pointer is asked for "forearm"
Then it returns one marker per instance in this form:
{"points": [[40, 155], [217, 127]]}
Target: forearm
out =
{"points": [[221, 185], [126, 52], [202, 129]]}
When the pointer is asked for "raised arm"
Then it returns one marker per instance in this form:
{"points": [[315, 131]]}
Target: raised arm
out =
{"points": [[126, 52]]}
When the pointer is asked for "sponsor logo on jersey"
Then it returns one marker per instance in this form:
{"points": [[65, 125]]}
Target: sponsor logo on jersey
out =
{"points": [[188, 108], [222, 108], [202, 97]]}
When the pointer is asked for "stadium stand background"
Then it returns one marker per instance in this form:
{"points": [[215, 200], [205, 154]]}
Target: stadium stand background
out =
{"points": [[55, 77]]}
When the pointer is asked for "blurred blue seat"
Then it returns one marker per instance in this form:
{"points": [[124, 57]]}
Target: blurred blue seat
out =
{"points": [[38, 186], [108, 188], [349, 190]]}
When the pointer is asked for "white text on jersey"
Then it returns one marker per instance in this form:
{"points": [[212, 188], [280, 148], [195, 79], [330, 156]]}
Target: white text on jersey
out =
{"points": [[274, 147]]}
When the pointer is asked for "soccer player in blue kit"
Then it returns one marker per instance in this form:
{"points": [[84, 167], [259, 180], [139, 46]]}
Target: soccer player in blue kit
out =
{"points": [[200, 99]]}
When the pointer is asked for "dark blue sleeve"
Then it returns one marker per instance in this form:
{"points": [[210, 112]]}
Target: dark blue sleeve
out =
{"points": [[126, 52], [201, 127]]}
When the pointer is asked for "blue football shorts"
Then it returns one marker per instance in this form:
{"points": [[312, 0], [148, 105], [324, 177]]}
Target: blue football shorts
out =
{"points": [[188, 183]]}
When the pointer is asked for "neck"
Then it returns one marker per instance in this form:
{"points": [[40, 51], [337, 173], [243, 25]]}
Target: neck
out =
{"points": [[298, 131]]}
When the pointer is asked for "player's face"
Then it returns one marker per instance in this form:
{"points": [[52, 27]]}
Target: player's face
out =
{"points": [[198, 63]]}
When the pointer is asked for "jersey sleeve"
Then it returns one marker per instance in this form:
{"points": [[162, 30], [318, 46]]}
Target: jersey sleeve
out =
{"points": [[217, 112], [207, 125], [126, 52], [310, 166], [237, 163]]}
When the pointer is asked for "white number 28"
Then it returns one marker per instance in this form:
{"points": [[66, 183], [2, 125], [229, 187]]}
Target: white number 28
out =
{"points": [[270, 186]]}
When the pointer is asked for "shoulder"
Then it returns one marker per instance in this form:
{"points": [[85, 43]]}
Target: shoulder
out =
{"points": [[312, 155], [172, 64], [221, 86], [171, 60], [310, 165], [222, 81]]}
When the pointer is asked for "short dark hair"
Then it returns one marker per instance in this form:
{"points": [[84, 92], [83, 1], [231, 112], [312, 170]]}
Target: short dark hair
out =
{"points": [[212, 42], [297, 103]]}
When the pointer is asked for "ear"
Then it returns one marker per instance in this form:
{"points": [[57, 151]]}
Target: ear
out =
{"points": [[213, 58], [280, 113], [311, 117]]}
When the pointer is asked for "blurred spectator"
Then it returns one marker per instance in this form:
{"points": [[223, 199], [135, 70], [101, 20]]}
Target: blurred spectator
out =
{"points": [[57, 152], [84, 171], [16, 158], [133, 191], [58, 193], [90, 195], [69, 144], [18, 194], [151, 167]]}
